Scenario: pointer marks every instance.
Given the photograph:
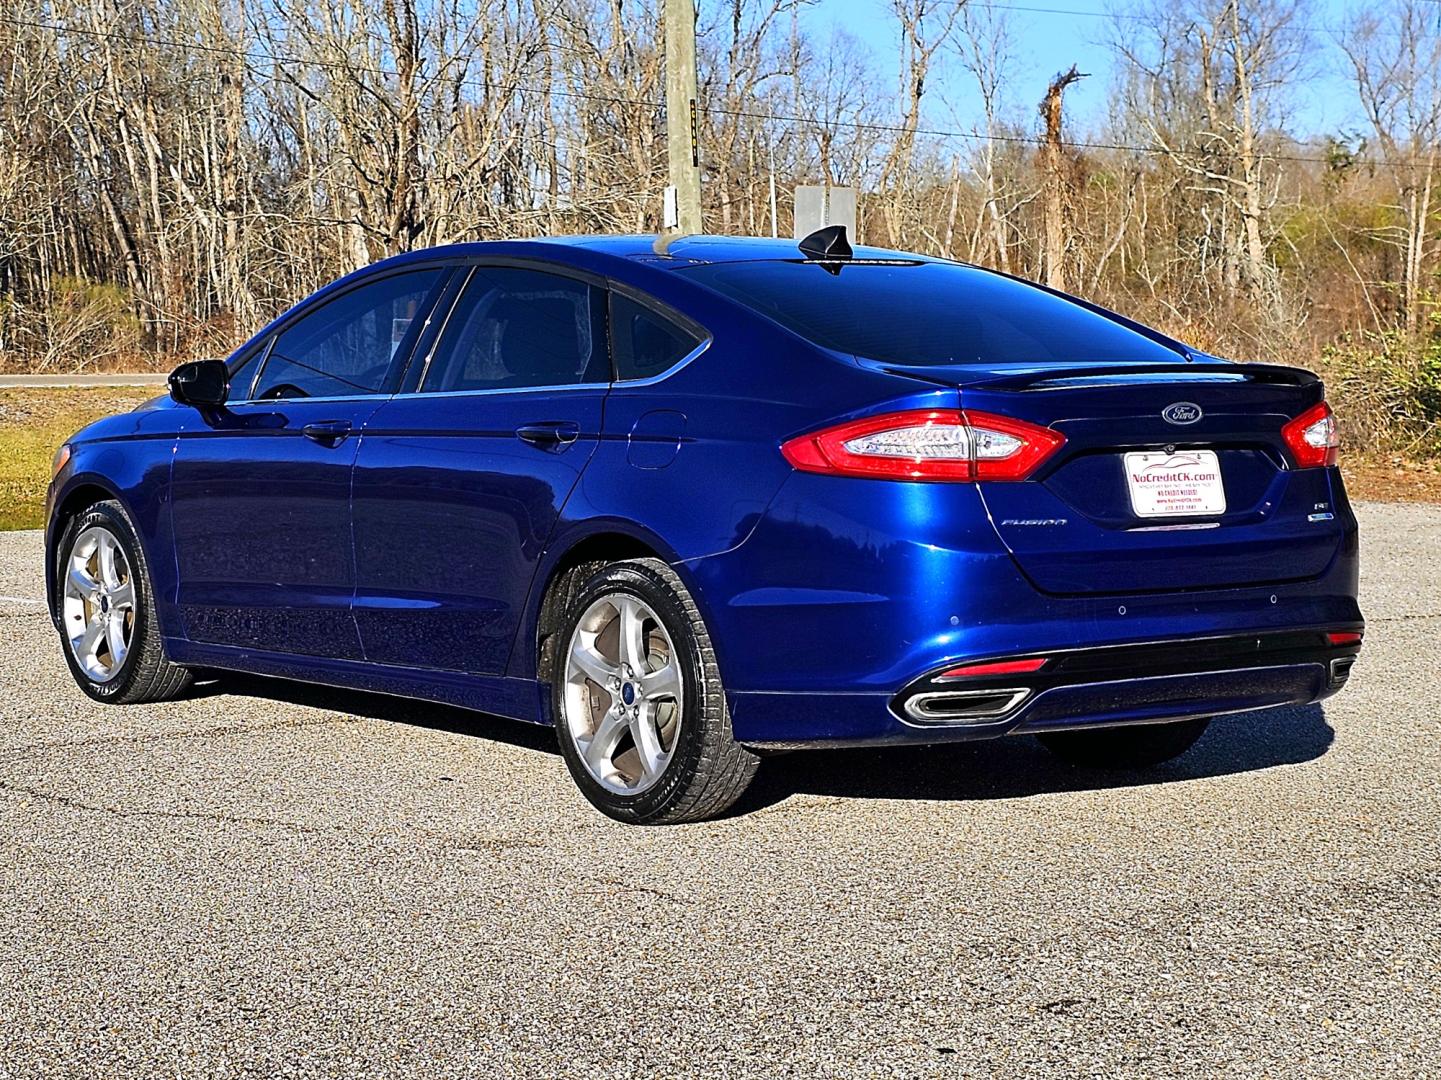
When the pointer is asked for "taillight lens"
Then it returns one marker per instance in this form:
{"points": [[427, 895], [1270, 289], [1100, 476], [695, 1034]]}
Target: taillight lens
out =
{"points": [[926, 444], [1313, 438]]}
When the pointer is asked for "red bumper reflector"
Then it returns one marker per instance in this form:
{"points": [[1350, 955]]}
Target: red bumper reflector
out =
{"points": [[1349, 637], [999, 667]]}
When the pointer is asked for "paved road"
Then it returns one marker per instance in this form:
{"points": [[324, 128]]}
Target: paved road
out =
{"points": [[289, 881], [149, 378]]}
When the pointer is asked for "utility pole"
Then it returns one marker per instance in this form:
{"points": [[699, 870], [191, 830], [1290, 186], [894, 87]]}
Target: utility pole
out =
{"points": [[682, 119]]}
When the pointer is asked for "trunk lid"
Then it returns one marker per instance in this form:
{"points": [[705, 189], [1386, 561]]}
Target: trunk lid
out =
{"points": [[1086, 523]]}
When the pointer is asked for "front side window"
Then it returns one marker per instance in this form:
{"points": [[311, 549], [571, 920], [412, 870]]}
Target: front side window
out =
{"points": [[513, 329], [646, 342], [347, 345]]}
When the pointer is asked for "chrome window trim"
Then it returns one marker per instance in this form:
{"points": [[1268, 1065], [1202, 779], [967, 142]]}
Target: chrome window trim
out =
{"points": [[298, 400], [652, 380], [600, 386], [614, 384]]}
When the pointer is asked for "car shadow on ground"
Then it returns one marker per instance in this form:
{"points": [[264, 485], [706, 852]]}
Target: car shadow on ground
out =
{"points": [[1005, 768], [1015, 767], [424, 714]]}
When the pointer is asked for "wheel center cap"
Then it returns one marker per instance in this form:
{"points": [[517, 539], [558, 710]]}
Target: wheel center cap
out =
{"points": [[627, 693], [104, 605]]}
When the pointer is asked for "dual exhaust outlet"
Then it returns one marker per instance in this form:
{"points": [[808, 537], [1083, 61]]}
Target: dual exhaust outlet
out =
{"points": [[931, 701], [963, 706]]}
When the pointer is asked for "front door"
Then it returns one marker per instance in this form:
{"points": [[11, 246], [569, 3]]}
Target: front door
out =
{"points": [[458, 485], [261, 487]]}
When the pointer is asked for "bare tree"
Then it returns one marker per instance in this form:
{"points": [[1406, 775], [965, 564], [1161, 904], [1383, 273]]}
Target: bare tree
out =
{"points": [[1395, 56], [925, 26], [1207, 83], [1058, 181], [174, 171], [983, 47]]}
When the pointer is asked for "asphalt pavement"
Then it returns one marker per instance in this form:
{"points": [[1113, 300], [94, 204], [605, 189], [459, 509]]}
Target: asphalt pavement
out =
{"points": [[146, 378], [276, 880]]}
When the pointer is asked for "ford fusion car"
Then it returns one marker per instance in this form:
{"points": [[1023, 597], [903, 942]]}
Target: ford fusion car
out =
{"points": [[697, 502]]}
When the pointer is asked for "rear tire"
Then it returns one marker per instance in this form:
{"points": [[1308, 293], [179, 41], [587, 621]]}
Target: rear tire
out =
{"points": [[640, 712], [105, 612], [1135, 746]]}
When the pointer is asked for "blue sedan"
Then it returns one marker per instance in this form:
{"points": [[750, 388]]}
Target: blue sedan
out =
{"points": [[697, 502]]}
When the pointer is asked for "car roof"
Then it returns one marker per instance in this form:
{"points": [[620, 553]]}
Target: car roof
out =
{"points": [[709, 249], [682, 252]]}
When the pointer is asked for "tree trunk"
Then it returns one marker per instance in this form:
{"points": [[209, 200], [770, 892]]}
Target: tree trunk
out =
{"points": [[1056, 207]]}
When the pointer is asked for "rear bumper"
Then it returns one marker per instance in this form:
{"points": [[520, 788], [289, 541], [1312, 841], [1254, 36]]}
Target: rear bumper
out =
{"points": [[850, 592], [1143, 682]]}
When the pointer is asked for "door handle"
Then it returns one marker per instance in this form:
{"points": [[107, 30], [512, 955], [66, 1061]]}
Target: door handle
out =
{"points": [[551, 435], [327, 432]]}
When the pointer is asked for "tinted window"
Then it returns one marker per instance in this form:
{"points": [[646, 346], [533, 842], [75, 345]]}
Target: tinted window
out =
{"points": [[345, 347], [646, 343], [928, 313], [518, 328]]}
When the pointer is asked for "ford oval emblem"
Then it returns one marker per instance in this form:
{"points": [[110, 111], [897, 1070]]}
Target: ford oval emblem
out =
{"points": [[1182, 412]]}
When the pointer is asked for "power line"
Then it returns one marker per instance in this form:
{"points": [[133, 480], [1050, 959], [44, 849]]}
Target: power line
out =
{"points": [[1027, 140], [858, 125], [1130, 16]]}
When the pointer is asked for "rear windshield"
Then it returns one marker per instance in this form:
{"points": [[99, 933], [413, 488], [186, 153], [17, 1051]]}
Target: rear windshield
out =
{"points": [[928, 313]]}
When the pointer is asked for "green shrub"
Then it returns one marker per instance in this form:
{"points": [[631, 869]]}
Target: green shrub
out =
{"points": [[1386, 390]]}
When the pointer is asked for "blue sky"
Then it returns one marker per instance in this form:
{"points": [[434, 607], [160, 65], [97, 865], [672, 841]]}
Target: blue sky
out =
{"points": [[1069, 32]]}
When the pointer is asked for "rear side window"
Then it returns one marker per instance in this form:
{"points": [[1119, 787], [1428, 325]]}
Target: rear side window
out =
{"points": [[918, 313], [346, 346], [646, 343], [515, 328]]}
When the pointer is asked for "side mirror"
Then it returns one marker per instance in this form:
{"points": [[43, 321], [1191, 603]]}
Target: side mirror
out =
{"points": [[201, 382]]}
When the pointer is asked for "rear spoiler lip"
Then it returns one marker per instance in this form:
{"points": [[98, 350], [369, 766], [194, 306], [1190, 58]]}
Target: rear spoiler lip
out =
{"points": [[1262, 373]]}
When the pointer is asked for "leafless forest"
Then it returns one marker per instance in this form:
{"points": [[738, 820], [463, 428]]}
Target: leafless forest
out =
{"points": [[174, 171]]}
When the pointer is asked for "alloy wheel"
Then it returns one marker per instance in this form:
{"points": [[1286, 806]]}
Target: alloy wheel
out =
{"points": [[98, 603], [623, 698]]}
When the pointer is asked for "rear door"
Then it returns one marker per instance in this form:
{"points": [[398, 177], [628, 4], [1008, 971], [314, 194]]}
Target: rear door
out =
{"points": [[1167, 480], [460, 480], [261, 487]]}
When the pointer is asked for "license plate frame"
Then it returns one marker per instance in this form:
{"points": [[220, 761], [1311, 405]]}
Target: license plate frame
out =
{"points": [[1174, 484]]}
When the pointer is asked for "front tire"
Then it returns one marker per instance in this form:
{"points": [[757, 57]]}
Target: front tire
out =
{"points": [[1135, 746], [639, 708], [105, 611]]}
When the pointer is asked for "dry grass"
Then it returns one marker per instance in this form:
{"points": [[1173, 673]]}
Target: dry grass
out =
{"points": [[1388, 478], [33, 423]]}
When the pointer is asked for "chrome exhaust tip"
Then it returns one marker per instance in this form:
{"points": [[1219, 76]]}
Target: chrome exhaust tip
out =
{"points": [[1341, 669], [963, 706]]}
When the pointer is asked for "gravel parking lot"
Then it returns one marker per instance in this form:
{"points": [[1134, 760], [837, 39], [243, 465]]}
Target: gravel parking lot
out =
{"points": [[269, 879]]}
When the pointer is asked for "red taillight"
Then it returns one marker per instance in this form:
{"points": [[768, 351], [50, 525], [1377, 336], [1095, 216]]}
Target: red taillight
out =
{"points": [[1344, 638], [926, 444], [1313, 438], [998, 667]]}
